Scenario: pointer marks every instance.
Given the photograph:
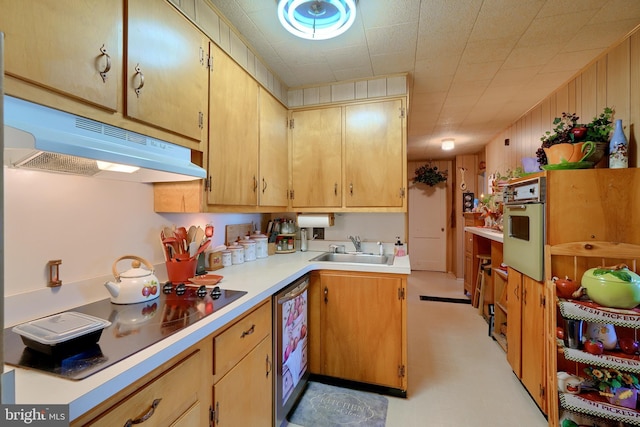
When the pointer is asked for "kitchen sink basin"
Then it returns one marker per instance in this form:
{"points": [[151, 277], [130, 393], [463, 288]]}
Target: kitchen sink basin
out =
{"points": [[358, 258]]}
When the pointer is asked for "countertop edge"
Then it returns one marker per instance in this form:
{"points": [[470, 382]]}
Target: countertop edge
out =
{"points": [[496, 236]]}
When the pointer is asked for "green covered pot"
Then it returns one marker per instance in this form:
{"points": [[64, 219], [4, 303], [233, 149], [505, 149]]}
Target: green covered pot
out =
{"points": [[616, 286]]}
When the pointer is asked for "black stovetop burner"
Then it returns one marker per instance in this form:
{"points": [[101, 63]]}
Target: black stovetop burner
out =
{"points": [[133, 328]]}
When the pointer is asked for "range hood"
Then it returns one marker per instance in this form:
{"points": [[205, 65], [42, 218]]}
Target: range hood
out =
{"points": [[42, 138]]}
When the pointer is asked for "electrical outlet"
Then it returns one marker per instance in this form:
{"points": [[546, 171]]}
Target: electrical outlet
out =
{"points": [[318, 233]]}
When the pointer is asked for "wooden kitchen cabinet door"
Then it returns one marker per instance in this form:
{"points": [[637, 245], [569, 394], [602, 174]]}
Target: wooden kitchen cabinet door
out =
{"points": [[363, 331], [533, 348], [374, 155], [316, 169], [57, 45], [166, 69], [244, 396], [274, 152], [514, 324], [233, 133]]}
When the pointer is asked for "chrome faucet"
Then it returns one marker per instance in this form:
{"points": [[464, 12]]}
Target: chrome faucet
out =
{"points": [[356, 242]]}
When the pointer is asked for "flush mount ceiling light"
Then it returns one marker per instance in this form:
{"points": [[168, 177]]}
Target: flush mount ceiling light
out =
{"points": [[316, 19], [448, 144]]}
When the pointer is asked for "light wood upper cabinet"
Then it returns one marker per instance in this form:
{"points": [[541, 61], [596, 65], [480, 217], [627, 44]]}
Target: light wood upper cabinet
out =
{"points": [[316, 170], [57, 45], [166, 69], [274, 149], [233, 133], [374, 155], [361, 315]]}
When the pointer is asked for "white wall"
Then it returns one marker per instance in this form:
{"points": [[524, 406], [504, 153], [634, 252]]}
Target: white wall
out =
{"points": [[87, 223]]}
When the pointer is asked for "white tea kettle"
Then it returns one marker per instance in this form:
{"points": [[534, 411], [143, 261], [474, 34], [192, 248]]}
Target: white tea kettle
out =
{"points": [[134, 285]]}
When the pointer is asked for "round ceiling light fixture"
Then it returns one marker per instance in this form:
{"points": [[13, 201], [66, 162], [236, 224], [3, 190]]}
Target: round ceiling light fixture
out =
{"points": [[316, 19], [448, 144]]}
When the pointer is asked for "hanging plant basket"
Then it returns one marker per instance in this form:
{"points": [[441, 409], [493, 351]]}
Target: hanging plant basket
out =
{"points": [[429, 175]]}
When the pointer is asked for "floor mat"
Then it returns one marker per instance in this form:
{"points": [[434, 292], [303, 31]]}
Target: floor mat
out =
{"points": [[325, 405], [441, 299]]}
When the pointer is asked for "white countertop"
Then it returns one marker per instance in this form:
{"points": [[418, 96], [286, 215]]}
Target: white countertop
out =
{"points": [[489, 233], [261, 279]]}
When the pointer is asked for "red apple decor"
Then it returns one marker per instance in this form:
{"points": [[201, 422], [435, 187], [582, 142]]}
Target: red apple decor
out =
{"points": [[593, 347], [628, 345]]}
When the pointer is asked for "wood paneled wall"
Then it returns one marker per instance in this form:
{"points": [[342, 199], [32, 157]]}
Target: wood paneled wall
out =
{"points": [[613, 80]]}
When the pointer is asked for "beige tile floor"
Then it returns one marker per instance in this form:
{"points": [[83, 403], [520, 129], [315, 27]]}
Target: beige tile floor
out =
{"points": [[458, 376]]}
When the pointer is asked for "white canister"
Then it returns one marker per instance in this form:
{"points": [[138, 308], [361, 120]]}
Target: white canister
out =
{"points": [[249, 249], [262, 245], [237, 254], [226, 258]]}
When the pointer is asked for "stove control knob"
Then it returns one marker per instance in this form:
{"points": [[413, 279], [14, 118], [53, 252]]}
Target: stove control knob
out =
{"points": [[167, 288], [202, 291], [216, 292], [181, 289]]}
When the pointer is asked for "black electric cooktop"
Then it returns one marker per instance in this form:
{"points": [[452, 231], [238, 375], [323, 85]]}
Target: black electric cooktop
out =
{"points": [[133, 328]]}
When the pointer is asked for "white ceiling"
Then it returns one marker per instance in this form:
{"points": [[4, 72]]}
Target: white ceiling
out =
{"points": [[475, 66]]}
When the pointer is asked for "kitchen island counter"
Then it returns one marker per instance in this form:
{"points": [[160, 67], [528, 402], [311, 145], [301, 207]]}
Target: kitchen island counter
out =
{"points": [[260, 279]]}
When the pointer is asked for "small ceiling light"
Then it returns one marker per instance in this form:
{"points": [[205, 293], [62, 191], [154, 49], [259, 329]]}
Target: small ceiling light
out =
{"points": [[448, 144], [316, 19]]}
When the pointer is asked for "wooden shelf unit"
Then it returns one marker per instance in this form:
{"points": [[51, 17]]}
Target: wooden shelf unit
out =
{"points": [[573, 259]]}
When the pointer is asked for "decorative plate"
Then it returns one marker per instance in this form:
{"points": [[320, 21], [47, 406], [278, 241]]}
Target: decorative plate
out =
{"points": [[206, 279], [567, 165]]}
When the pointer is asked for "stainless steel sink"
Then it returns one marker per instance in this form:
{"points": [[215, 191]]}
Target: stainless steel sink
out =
{"points": [[358, 258]]}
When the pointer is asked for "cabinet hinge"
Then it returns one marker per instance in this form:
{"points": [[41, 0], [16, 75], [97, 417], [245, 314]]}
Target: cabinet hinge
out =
{"points": [[210, 62], [403, 112], [402, 193], [202, 57], [543, 301], [214, 415], [292, 194], [200, 120], [542, 391], [400, 293], [401, 371], [292, 123], [207, 184]]}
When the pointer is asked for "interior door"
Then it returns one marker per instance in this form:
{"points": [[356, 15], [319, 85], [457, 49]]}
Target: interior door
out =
{"points": [[427, 227]]}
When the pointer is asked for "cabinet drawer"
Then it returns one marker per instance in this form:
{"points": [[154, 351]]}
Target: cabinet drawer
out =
{"points": [[236, 342], [175, 391], [468, 242]]}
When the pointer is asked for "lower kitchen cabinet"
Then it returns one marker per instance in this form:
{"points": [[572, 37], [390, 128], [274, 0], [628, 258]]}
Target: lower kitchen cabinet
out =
{"points": [[243, 371], [526, 334], [362, 328], [243, 397], [173, 397]]}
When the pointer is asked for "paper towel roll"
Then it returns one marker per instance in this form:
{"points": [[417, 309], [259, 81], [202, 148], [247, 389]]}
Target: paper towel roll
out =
{"points": [[315, 220]]}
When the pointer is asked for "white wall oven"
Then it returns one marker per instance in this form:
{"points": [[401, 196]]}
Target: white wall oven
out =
{"points": [[290, 327], [524, 213]]}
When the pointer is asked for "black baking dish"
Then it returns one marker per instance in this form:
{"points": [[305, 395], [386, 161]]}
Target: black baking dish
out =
{"points": [[62, 334]]}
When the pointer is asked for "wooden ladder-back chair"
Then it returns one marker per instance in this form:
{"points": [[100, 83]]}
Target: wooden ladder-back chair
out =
{"points": [[572, 260]]}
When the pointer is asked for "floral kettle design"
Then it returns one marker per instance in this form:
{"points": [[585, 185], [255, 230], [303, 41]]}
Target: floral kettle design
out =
{"points": [[134, 285]]}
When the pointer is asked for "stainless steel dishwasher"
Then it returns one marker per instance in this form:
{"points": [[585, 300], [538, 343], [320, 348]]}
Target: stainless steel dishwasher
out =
{"points": [[290, 312]]}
